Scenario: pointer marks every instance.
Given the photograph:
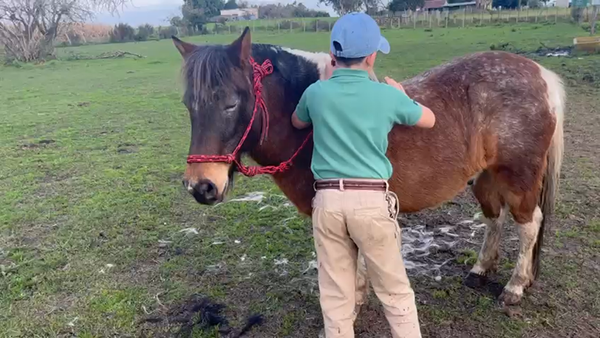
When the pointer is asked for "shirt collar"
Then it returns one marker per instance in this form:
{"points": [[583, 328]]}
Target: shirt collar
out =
{"points": [[350, 72]]}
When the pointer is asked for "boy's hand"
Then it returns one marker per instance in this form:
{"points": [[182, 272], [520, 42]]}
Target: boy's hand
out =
{"points": [[394, 84]]}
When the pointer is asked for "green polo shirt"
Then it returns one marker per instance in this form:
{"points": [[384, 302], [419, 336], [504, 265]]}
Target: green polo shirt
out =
{"points": [[352, 117]]}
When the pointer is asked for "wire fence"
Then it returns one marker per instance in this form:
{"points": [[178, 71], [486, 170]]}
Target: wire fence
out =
{"points": [[463, 17]]}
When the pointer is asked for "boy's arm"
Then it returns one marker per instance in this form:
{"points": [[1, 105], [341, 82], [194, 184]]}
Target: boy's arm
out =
{"points": [[411, 112], [298, 123], [301, 117]]}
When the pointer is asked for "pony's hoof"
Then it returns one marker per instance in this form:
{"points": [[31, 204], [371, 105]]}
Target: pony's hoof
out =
{"points": [[510, 298], [475, 281]]}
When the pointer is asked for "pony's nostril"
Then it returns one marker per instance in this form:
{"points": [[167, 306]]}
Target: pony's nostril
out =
{"points": [[210, 190], [207, 189]]}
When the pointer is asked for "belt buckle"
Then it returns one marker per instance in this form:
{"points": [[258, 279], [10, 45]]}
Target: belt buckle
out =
{"points": [[341, 183]]}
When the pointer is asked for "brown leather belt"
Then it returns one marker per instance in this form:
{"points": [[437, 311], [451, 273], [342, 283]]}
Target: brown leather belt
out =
{"points": [[351, 185]]}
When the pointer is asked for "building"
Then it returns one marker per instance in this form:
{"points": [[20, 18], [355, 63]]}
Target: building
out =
{"points": [[240, 14], [443, 4], [562, 3]]}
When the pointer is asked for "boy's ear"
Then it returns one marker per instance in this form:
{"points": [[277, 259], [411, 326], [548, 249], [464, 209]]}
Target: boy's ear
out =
{"points": [[371, 59]]}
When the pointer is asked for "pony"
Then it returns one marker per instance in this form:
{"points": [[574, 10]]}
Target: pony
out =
{"points": [[499, 127]]}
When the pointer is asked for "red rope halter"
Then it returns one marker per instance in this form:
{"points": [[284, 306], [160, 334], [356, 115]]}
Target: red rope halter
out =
{"points": [[259, 72]]}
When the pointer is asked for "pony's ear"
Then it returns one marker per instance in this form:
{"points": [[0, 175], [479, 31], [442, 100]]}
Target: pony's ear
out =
{"points": [[184, 48], [241, 49]]}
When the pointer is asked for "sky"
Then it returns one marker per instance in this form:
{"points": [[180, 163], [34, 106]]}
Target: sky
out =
{"points": [[157, 12]]}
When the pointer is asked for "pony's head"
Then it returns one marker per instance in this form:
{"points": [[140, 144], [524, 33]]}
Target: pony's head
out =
{"points": [[220, 99]]}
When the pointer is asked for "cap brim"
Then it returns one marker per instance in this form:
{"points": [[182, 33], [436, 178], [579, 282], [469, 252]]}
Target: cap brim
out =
{"points": [[384, 45]]}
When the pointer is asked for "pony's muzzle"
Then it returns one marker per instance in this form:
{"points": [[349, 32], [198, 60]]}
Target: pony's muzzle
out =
{"points": [[207, 182], [204, 191]]}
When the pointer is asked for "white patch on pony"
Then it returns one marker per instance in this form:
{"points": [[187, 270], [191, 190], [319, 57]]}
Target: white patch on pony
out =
{"points": [[319, 59], [515, 289]]}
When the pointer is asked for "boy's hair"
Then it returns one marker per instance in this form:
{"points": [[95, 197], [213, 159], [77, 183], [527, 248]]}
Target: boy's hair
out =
{"points": [[349, 62]]}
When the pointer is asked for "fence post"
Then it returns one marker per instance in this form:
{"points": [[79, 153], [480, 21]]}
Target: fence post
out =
{"points": [[446, 16], [472, 16], [415, 14], [304, 24], [429, 20], [464, 15]]}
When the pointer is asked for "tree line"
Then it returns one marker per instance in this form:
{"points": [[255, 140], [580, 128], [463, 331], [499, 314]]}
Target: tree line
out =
{"points": [[195, 14]]}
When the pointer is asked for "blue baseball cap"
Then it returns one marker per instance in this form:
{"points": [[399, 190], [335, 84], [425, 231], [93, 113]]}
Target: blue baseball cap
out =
{"points": [[356, 35]]}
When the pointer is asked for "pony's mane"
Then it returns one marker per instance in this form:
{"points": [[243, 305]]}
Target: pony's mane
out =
{"points": [[210, 67], [206, 69]]}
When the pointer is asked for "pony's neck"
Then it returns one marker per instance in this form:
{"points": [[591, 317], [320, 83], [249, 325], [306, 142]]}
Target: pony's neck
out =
{"points": [[294, 71]]}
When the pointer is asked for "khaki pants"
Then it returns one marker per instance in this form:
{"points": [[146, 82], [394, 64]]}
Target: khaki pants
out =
{"points": [[343, 222]]}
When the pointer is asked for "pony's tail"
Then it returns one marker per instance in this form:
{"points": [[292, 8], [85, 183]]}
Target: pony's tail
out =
{"points": [[556, 100]]}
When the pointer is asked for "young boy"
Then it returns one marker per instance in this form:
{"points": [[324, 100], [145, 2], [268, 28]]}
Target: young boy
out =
{"points": [[353, 209]]}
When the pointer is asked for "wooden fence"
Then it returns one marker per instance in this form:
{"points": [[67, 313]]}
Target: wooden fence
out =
{"points": [[464, 17]]}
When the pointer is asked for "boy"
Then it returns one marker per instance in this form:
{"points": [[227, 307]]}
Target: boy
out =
{"points": [[353, 209]]}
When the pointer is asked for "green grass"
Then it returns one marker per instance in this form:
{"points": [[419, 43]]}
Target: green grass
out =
{"points": [[92, 207]]}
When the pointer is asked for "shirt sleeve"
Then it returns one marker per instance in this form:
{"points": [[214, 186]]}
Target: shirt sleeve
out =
{"points": [[302, 109], [408, 111]]}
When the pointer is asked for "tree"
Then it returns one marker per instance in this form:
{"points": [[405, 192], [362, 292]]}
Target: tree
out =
{"points": [[594, 18], [144, 32], [231, 4], [28, 28], [176, 21], [403, 5], [345, 6], [197, 12]]}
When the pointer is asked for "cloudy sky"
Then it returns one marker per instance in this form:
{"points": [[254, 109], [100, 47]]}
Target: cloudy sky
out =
{"points": [[157, 12]]}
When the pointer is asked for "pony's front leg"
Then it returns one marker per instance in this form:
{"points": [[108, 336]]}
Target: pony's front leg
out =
{"points": [[487, 260]]}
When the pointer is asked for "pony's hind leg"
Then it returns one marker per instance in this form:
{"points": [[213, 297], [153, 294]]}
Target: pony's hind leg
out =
{"points": [[494, 214], [528, 218]]}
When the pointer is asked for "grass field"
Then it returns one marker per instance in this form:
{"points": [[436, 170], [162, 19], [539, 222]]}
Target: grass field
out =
{"points": [[97, 233]]}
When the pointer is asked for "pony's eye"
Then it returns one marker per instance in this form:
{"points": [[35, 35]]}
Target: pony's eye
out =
{"points": [[231, 107]]}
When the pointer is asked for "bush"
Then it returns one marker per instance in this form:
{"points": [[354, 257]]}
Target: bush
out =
{"points": [[144, 32], [222, 28], [288, 24], [319, 25], [586, 27], [167, 32], [122, 33]]}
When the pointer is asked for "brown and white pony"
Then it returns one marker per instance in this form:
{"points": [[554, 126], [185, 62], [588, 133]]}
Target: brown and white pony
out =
{"points": [[499, 119]]}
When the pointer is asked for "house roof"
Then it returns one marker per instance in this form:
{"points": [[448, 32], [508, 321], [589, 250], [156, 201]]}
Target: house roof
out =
{"points": [[432, 4]]}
